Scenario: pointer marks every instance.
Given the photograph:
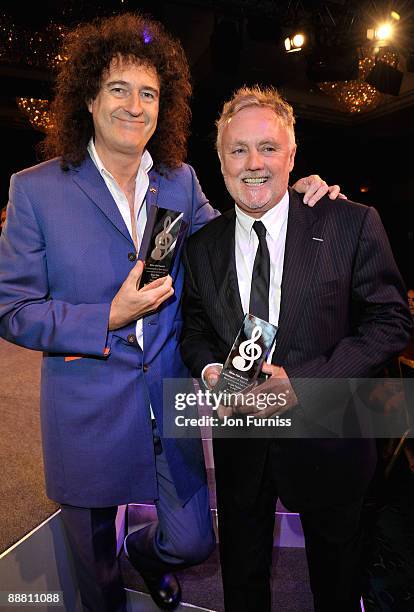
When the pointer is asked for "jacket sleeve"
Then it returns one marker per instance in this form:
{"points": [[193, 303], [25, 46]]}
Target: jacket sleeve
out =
{"points": [[29, 315], [198, 347], [383, 324]]}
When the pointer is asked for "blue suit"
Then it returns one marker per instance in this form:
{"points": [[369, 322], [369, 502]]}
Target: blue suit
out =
{"points": [[64, 254]]}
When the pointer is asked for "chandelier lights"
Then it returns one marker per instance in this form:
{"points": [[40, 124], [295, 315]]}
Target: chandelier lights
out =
{"points": [[357, 96], [37, 111]]}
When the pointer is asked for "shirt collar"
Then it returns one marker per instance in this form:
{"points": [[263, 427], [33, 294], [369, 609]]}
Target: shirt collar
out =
{"points": [[145, 165], [273, 219]]}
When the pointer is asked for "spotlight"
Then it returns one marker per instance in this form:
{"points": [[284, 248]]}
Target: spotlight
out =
{"points": [[384, 31], [382, 34], [294, 43]]}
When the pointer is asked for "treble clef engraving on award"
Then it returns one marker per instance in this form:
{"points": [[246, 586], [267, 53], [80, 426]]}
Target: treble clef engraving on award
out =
{"points": [[249, 351], [163, 241]]}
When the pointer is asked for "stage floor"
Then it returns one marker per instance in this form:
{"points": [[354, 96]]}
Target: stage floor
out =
{"points": [[24, 504]]}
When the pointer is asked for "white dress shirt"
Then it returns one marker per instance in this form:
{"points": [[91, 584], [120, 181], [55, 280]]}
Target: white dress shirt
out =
{"points": [[246, 242], [140, 211]]}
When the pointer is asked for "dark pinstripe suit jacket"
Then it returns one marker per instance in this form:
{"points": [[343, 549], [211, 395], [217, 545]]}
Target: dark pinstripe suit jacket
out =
{"points": [[343, 314]]}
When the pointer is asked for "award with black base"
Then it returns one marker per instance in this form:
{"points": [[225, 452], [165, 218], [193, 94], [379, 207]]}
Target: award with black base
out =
{"points": [[159, 243], [247, 355]]}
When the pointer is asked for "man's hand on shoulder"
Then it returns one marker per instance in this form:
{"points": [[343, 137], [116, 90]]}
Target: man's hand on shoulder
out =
{"points": [[315, 188], [131, 303]]}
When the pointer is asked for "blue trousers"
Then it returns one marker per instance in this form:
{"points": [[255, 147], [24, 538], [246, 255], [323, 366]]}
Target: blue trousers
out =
{"points": [[181, 537]]}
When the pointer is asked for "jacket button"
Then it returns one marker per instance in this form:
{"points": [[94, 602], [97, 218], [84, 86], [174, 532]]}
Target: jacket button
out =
{"points": [[132, 339], [132, 256], [145, 367]]}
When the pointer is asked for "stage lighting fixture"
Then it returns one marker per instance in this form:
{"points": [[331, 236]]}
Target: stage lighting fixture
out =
{"points": [[384, 31], [385, 78], [294, 43], [382, 34], [333, 64]]}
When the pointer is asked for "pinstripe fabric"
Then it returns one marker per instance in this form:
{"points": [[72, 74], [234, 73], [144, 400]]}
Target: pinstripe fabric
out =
{"points": [[343, 314], [343, 307]]}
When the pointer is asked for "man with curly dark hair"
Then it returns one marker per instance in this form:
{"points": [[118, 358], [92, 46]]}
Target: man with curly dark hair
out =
{"points": [[92, 48], [68, 287]]}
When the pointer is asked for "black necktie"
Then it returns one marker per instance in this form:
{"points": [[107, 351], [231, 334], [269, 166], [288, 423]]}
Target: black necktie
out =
{"points": [[259, 292]]}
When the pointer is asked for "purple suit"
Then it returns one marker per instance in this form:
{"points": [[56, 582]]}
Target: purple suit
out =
{"points": [[64, 254]]}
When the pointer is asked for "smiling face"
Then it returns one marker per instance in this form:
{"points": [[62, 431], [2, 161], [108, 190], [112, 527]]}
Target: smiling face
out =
{"points": [[125, 111], [257, 153]]}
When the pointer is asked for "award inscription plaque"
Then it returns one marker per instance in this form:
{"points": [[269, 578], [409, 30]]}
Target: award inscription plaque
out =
{"points": [[247, 355], [159, 242]]}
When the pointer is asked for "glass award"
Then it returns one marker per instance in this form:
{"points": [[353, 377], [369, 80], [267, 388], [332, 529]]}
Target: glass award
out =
{"points": [[247, 355], [159, 242]]}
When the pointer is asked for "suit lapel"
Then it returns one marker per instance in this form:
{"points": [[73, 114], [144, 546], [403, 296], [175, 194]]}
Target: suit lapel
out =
{"points": [[89, 180], [159, 193], [301, 249], [223, 264]]}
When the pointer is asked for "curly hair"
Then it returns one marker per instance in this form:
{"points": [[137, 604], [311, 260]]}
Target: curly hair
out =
{"points": [[90, 49], [256, 96]]}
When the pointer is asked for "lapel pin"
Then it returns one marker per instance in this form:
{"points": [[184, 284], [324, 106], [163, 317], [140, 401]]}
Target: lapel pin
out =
{"points": [[318, 239], [153, 190]]}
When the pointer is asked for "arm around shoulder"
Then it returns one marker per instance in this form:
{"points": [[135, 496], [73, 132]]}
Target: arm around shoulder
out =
{"points": [[382, 327]]}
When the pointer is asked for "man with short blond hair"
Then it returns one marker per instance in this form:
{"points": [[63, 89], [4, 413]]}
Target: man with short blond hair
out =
{"points": [[260, 97], [327, 278]]}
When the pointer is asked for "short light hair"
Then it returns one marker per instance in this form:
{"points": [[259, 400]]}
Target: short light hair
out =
{"points": [[245, 97]]}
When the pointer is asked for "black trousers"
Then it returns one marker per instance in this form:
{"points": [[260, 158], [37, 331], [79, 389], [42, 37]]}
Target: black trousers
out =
{"points": [[332, 540]]}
